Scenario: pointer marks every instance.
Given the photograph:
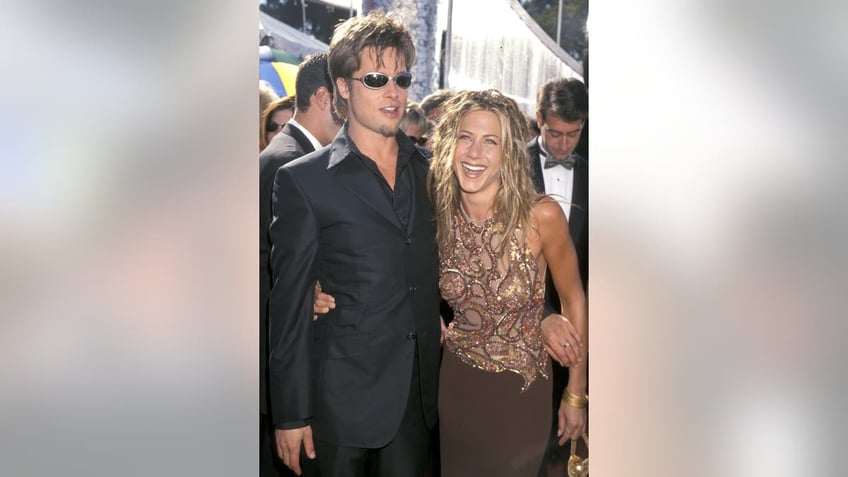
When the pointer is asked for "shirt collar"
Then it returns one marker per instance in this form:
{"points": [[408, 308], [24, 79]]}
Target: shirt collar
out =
{"points": [[315, 143], [543, 153], [342, 147]]}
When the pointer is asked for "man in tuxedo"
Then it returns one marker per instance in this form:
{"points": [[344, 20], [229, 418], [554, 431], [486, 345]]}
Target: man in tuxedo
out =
{"points": [[562, 108], [356, 390], [313, 126]]}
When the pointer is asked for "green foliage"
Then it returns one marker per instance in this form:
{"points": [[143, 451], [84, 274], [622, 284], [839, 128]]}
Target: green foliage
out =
{"points": [[574, 13], [321, 19]]}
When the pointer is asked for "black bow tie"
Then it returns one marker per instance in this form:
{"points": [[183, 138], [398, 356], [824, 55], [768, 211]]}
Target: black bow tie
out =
{"points": [[567, 163]]}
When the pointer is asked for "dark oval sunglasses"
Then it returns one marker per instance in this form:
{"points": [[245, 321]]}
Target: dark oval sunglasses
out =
{"points": [[380, 80], [421, 141], [271, 126]]}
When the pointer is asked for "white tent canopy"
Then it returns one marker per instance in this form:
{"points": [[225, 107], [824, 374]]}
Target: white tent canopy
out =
{"points": [[290, 39], [508, 51]]}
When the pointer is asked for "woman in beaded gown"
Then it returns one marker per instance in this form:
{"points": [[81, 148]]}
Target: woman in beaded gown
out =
{"points": [[496, 238]]}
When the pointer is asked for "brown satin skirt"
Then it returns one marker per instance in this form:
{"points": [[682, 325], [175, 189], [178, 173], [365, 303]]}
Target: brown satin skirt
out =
{"points": [[487, 426]]}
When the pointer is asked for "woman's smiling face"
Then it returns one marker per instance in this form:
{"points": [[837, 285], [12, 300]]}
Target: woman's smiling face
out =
{"points": [[478, 152]]}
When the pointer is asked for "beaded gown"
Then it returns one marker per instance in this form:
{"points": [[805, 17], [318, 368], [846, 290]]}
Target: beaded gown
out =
{"points": [[495, 395]]}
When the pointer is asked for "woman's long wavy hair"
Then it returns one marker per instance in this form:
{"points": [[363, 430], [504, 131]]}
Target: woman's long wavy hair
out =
{"points": [[515, 196]]}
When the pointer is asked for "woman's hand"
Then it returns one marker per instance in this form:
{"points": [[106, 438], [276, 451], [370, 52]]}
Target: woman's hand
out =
{"points": [[323, 302], [561, 340], [571, 421]]}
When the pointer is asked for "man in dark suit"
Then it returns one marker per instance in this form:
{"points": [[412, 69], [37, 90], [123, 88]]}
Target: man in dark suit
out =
{"points": [[313, 126], [356, 390], [562, 108]]}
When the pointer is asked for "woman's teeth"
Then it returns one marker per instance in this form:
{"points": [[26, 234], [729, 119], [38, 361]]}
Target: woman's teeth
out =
{"points": [[471, 168]]}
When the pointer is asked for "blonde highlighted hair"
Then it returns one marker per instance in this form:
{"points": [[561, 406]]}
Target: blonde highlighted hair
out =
{"points": [[515, 197]]}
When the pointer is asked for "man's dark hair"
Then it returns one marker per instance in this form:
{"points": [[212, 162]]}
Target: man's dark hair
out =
{"points": [[312, 74], [565, 98]]}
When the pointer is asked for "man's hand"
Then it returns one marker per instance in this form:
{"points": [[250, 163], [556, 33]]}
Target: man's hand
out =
{"points": [[288, 446], [561, 340], [323, 302]]}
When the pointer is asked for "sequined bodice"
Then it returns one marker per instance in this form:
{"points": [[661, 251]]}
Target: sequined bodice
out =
{"points": [[498, 303]]}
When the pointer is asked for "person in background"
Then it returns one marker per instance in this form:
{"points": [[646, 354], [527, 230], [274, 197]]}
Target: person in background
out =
{"points": [[274, 117], [562, 109], [497, 239], [266, 95], [432, 103], [416, 125], [313, 126], [533, 125]]}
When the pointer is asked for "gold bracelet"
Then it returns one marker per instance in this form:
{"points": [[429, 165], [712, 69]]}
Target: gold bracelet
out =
{"points": [[575, 400]]}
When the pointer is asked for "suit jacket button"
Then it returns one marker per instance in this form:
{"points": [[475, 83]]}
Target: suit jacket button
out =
{"points": [[408, 241], [411, 336], [412, 289]]}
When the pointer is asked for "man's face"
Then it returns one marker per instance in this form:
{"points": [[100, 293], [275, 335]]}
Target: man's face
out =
{"points": [[379, 110], [559, 137]]}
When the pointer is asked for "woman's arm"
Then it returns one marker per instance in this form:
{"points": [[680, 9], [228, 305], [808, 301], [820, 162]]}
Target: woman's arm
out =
{"points": [[561, 258]]}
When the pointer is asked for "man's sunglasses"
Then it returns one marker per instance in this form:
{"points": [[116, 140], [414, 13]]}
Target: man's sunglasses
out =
{"points": [[380, 80], [421, 141]]}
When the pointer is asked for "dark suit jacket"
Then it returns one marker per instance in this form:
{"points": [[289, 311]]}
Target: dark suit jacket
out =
{"points": [[578, 221], [578, 227], [348, 373], [287, 145]]}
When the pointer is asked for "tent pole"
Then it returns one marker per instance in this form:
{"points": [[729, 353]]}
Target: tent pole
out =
{"points": [[559, 25], [447, 46]]}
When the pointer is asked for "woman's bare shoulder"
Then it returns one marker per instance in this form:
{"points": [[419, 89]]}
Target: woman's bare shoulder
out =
{"points": [[547, 211]]}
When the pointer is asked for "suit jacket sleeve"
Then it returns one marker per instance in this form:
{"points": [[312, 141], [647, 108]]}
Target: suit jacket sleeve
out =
{"points": [[294, 238]]}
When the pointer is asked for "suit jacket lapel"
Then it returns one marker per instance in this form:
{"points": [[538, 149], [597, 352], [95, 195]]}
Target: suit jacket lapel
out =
{"points": [[533, 151], [361, 182], [358, 179], [579, 198], [303, 141]]}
